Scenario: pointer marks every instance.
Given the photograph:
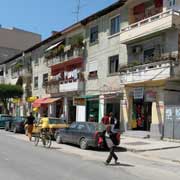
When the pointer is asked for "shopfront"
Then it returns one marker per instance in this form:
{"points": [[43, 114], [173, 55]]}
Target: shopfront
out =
{"points": [[92, 108], [142, 108]]}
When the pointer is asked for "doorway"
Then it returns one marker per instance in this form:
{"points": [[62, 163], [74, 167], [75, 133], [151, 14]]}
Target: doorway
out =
{"points": [[141, 115]]}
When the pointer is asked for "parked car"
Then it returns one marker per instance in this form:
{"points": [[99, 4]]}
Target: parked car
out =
{"points": [[16, 124], [3, 119], [84, 134], [53, 123]]}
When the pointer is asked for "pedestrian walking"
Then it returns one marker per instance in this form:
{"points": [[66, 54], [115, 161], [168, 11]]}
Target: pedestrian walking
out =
{"points": [[30, 121], [105, 119], [111, 142]]}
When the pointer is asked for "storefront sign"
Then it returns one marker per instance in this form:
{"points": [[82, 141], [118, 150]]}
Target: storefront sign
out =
{"points": [[150, 96], [78, 101], [138, 93]]}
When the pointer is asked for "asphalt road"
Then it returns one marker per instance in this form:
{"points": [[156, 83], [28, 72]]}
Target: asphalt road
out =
{"points": [[21, 160]]}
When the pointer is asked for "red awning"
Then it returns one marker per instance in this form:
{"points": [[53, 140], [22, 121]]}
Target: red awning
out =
{"points": [[37, 103], [73, 63], [50, 100]]}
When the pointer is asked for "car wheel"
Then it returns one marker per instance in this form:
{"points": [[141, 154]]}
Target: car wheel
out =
{"points": [[83, 143], [15, 130], [59, 139]]}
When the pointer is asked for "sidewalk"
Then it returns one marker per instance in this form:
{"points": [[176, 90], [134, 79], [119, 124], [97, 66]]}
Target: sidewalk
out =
{"points": [[140, 145]]}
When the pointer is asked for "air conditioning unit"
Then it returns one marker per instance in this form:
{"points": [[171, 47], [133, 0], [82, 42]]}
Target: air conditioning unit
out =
{"points": [[136, 49]]}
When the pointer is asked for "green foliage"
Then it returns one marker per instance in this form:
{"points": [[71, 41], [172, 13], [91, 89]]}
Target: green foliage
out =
{"points": [[10, 91], [77, 41]]}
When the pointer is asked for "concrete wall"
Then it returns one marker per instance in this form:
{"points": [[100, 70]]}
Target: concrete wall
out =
{"points": [[101, 51]]}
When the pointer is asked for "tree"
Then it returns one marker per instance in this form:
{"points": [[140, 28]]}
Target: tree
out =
{"points": [[8, 91]]}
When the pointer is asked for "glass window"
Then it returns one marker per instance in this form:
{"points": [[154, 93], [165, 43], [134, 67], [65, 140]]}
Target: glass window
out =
{"points": [[94, 34], [45, 79], [81, 127], [115, 25], [73, 125], [149, 54], [35, 82], [113, 64]]}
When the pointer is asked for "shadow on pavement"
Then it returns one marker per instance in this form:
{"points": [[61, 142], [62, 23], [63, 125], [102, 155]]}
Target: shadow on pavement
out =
{"points": [[121, 164]]}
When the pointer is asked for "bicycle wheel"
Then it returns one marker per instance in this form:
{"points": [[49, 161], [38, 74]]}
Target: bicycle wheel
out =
{"points": [[47, 141], [36, 140]]}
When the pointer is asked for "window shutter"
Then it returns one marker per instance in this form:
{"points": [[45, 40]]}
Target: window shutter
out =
{"points": [[92, 66]]}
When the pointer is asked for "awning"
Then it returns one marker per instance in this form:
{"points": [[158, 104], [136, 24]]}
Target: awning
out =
{"points": [[50, 100], [53, 46], [37, 103], [75, 62]]}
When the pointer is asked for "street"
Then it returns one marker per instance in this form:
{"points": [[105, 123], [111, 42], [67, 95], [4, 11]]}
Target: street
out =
{"points": [[21, 160]]}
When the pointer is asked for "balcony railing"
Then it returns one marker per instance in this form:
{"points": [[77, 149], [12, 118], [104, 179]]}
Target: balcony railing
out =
{"points": [[65, 86], [153, 24], [79, 52], [147, 72]]}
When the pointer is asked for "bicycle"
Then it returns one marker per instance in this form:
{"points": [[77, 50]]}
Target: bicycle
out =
{"points": [[45, 136]]}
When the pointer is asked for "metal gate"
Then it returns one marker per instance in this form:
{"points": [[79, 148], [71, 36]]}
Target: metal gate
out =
{"points": [[172, 122]]}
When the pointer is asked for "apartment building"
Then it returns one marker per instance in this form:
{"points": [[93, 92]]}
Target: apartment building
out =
{"points": [[123, 59], [152, 41]]}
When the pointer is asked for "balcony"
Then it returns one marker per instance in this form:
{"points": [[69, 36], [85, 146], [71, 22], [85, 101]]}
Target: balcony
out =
{"points": [[147, 72], [154, 24], [70, 86], [69, 55], [65, 86]]}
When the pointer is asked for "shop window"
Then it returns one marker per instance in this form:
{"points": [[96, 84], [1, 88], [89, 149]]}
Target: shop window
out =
{"points": [[115, 25], [36, 82], [93, 70], [94, 34], [113, 64], [45, 79]]}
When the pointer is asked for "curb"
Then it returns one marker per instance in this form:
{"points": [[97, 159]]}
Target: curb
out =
{"points": [[144, 150]]}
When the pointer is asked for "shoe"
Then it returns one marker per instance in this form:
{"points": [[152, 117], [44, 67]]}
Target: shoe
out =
{"points": [[116, 162], [106, 163]]}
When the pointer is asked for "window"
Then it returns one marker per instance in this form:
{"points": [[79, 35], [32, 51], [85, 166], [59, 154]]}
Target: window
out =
{"points": [[36, 62], [35, 82], [94, 34], [115, 25], [45, 79], [149, 54], [113, 64], [93, 69], [172, 2]]}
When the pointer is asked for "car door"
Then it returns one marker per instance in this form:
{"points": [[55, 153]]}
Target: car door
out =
{"points": [[79, 132], [67, 134]]}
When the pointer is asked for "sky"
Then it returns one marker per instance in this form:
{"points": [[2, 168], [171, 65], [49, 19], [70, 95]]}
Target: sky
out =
{"points": [[44, 16]]}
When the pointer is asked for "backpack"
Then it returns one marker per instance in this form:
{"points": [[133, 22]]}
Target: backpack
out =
{"points": [[115, 137]]}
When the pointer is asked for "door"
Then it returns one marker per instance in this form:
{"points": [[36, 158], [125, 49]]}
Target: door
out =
{"points": [[172, 122], [67, 135]]}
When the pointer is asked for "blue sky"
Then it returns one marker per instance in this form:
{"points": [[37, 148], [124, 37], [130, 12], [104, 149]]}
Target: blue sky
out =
{"points": [[43, 16]]}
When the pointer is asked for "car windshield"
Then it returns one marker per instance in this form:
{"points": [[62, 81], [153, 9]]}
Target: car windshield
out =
{"points": [[20, 119], [6, 117], [56, 121], [97, 127]]}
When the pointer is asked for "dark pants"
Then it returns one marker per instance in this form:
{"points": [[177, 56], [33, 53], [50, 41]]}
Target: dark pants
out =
{"points": [[112, 155]]}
